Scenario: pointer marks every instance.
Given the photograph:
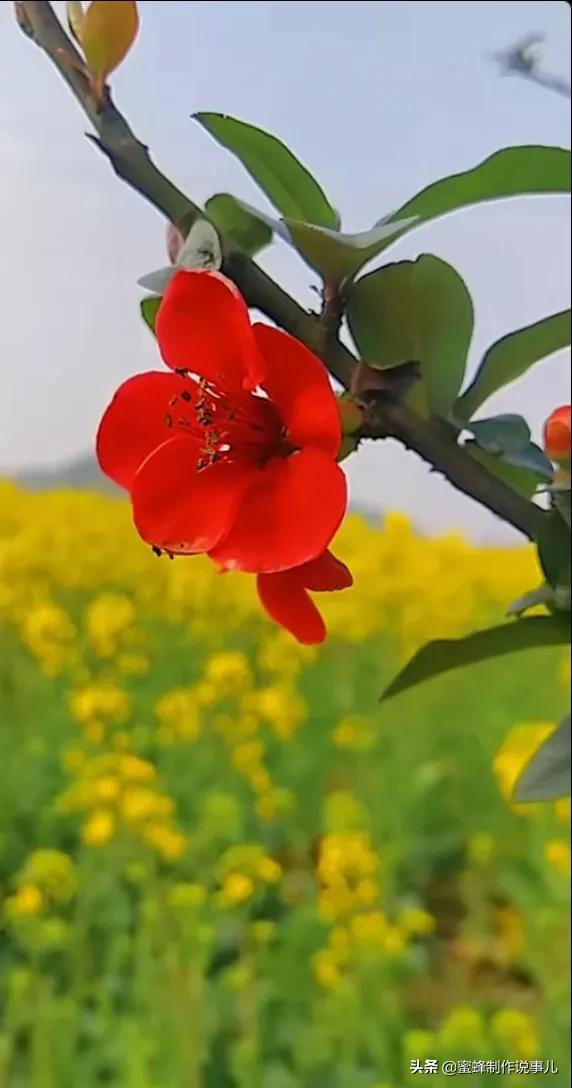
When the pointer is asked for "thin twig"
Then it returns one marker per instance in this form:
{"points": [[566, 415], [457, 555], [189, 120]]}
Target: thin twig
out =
{"points": [[521, 60]]}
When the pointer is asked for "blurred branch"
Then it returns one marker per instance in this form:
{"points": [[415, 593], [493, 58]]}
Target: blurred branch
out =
{"points": [[521, 60], [384, 415], [554, 83]]}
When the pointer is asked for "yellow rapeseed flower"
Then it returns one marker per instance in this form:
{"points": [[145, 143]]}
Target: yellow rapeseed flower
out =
{"points": [[236, 889], [416, 922], [517, 1031], [132, 664], [136, 769], [463, 1027], [516, 751], [73, 759], [228, 672], [99, 829], [183, 896], [179, 713], [107, 788], [268, 870], [326, 969], [262, 932], [108, 619], [557, 852], [355, 733], [509, 930], [169, 843], [100, 702], [53, 872], [421, 1044], [50, 635], [141, 803], [28, 902]]}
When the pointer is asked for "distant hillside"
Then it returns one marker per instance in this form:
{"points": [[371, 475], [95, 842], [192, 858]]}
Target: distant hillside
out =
{"points": [[81, 474], [84, 474]]}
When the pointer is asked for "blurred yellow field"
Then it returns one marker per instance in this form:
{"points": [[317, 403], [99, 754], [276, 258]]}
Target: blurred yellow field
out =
{"points": [[223, 863]]}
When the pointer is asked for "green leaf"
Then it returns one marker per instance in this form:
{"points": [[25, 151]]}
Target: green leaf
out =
{"points": [[337, 256], [287, 184], [563, 504], [553, 544], [513, 171], [415, 311], [509, 358], [149, 309], [543, 594], [501, 434], [522, 480], [531, 458], [445, 655], [547, 775], [232, 218]]}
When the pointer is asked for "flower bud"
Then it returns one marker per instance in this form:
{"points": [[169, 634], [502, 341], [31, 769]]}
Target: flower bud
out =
{"points": [[556, 436], [175, 242], [350, 414], [351, 421]]}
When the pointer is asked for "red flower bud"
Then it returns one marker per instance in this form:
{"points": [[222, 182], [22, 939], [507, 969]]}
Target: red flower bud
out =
{"points": [[174, 242], [557, 436]]}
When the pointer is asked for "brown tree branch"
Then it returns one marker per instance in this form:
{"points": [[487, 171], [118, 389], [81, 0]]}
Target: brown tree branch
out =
{"points": [[395, 420], [128, 156], [384, 416]]}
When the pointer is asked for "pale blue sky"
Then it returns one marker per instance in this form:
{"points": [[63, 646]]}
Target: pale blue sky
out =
{"points": [[378, 99]]}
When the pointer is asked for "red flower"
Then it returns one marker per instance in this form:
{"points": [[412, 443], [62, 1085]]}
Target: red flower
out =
{"points": [[210, 463], [557, 435], [285, 595]]}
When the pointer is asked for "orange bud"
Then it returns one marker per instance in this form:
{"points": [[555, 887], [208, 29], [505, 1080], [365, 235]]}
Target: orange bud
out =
{"points": [[350, 415], [350, 421], [76, 19], [106, 33], [557, 436]]}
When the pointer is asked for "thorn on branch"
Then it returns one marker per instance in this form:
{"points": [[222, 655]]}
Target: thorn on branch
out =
{"points": [[99, 144], [333, 309]]}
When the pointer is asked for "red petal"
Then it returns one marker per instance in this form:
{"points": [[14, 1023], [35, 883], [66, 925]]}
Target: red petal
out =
{"points": [[326, 573], [288, 516], [287, 602], [135, 423], [182, 510], [297, 383], [203, 325]]}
